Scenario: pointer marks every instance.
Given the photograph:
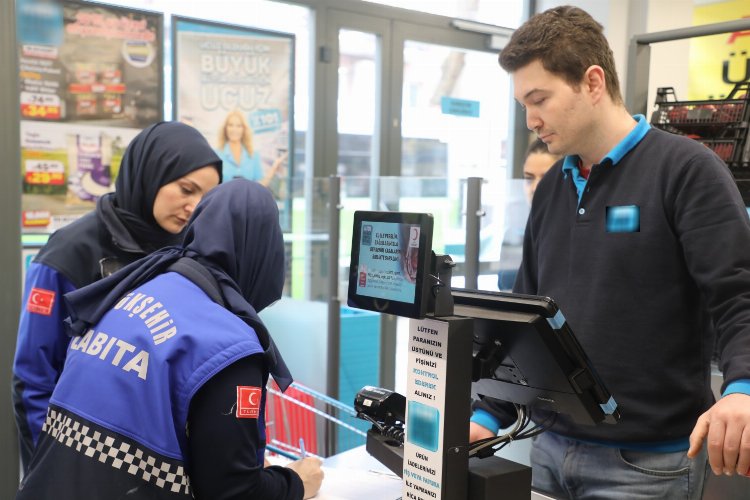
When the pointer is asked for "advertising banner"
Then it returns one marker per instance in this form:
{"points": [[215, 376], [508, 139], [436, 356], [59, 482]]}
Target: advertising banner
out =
{"points": [[90, 79], [719, 62], [236, 86]]}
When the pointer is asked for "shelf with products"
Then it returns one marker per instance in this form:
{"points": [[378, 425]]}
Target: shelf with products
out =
{"points": [[721, 124]]}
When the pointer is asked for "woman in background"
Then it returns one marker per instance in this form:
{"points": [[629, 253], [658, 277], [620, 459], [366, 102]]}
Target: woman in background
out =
{"points": [[164, 173], [538, 161], [235, 147]]}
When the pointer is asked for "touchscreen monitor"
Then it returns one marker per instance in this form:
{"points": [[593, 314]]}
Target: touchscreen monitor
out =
{"points": [[526, 353], [390, 264]]}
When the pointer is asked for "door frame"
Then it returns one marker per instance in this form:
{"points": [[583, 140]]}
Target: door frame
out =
{"points": [[393, 27]]}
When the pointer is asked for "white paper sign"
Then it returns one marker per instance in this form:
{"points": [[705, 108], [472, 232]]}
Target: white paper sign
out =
{"points": [[425, 409]]}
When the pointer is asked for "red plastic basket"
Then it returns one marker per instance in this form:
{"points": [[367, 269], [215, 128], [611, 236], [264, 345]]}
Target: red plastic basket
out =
{"points": [[287, 422]]}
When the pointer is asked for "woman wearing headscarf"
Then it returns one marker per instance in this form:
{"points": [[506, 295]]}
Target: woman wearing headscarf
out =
{"points": [[163, 392], [165, 171]]}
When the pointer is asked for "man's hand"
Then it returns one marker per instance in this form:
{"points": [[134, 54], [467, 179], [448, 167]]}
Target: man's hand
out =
{"points": [[726, 428], [311, 474], [477, 432]]}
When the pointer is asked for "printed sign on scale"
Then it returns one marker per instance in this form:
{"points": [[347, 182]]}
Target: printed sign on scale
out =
{"points": [[425, 410]]}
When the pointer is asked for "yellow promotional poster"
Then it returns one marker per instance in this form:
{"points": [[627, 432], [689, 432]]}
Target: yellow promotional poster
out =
{"points": [[719, 62]]}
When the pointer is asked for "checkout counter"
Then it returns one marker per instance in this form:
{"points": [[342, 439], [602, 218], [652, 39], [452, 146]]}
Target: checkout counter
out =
{"points": [[356, 475]]}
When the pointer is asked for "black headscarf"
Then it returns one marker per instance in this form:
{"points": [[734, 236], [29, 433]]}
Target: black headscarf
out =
{"points": [[158, 155], [235, 235]]}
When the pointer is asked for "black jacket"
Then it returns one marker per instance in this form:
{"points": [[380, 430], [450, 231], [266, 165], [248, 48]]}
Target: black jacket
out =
{"points": [[638, 299]]}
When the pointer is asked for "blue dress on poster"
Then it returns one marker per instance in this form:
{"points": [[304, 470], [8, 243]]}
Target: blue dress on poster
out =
{"points": [[381, 263], [249, 167]]}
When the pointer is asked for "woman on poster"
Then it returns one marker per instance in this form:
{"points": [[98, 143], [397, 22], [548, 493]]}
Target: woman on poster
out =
{"points": [[235, 147]]}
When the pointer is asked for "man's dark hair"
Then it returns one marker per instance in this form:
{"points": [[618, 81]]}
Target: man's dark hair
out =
{"points": [[567, 41]]}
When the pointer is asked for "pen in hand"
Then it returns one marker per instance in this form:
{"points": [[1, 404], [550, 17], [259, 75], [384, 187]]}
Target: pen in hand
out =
{"points": [[302, 451]]}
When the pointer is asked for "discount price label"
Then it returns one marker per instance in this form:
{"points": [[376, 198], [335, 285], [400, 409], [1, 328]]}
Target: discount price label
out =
{"points": [[45, 106], [44, 172], [265, 120]]}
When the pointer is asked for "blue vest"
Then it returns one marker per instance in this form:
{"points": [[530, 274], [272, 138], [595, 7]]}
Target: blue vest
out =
{"points": [[137, 370]]}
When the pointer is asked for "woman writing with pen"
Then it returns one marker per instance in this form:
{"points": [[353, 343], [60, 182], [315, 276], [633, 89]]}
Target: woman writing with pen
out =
{"points": [[163, 392]]}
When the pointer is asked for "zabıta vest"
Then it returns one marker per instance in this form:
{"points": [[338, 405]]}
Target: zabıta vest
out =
{"points": [[118, 415]]}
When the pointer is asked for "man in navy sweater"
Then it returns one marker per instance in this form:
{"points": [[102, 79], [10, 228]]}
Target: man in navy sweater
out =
{"points": [[642, 237]]}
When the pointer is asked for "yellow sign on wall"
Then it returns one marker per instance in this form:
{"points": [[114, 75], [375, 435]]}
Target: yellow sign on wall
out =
{"points": [[718, 62]]}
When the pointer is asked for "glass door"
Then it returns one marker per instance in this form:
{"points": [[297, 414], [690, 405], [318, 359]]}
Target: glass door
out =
{"points": [[358, 58], [455, 105], [419, 108]]}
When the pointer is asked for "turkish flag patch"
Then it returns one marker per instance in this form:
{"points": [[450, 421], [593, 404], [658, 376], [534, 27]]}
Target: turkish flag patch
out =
{"points": [[40, 301], [248, 401]]}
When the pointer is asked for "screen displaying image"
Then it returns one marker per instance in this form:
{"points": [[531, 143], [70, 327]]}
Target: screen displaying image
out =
{"points": [[388, 261]]}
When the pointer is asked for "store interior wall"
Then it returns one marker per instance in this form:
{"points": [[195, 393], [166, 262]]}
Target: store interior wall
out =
{"points": [[669, 60]]}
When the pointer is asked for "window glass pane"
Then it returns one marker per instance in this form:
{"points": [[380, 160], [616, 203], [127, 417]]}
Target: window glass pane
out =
{"points": [[505, 13], [357, 107], [454, 115]]}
